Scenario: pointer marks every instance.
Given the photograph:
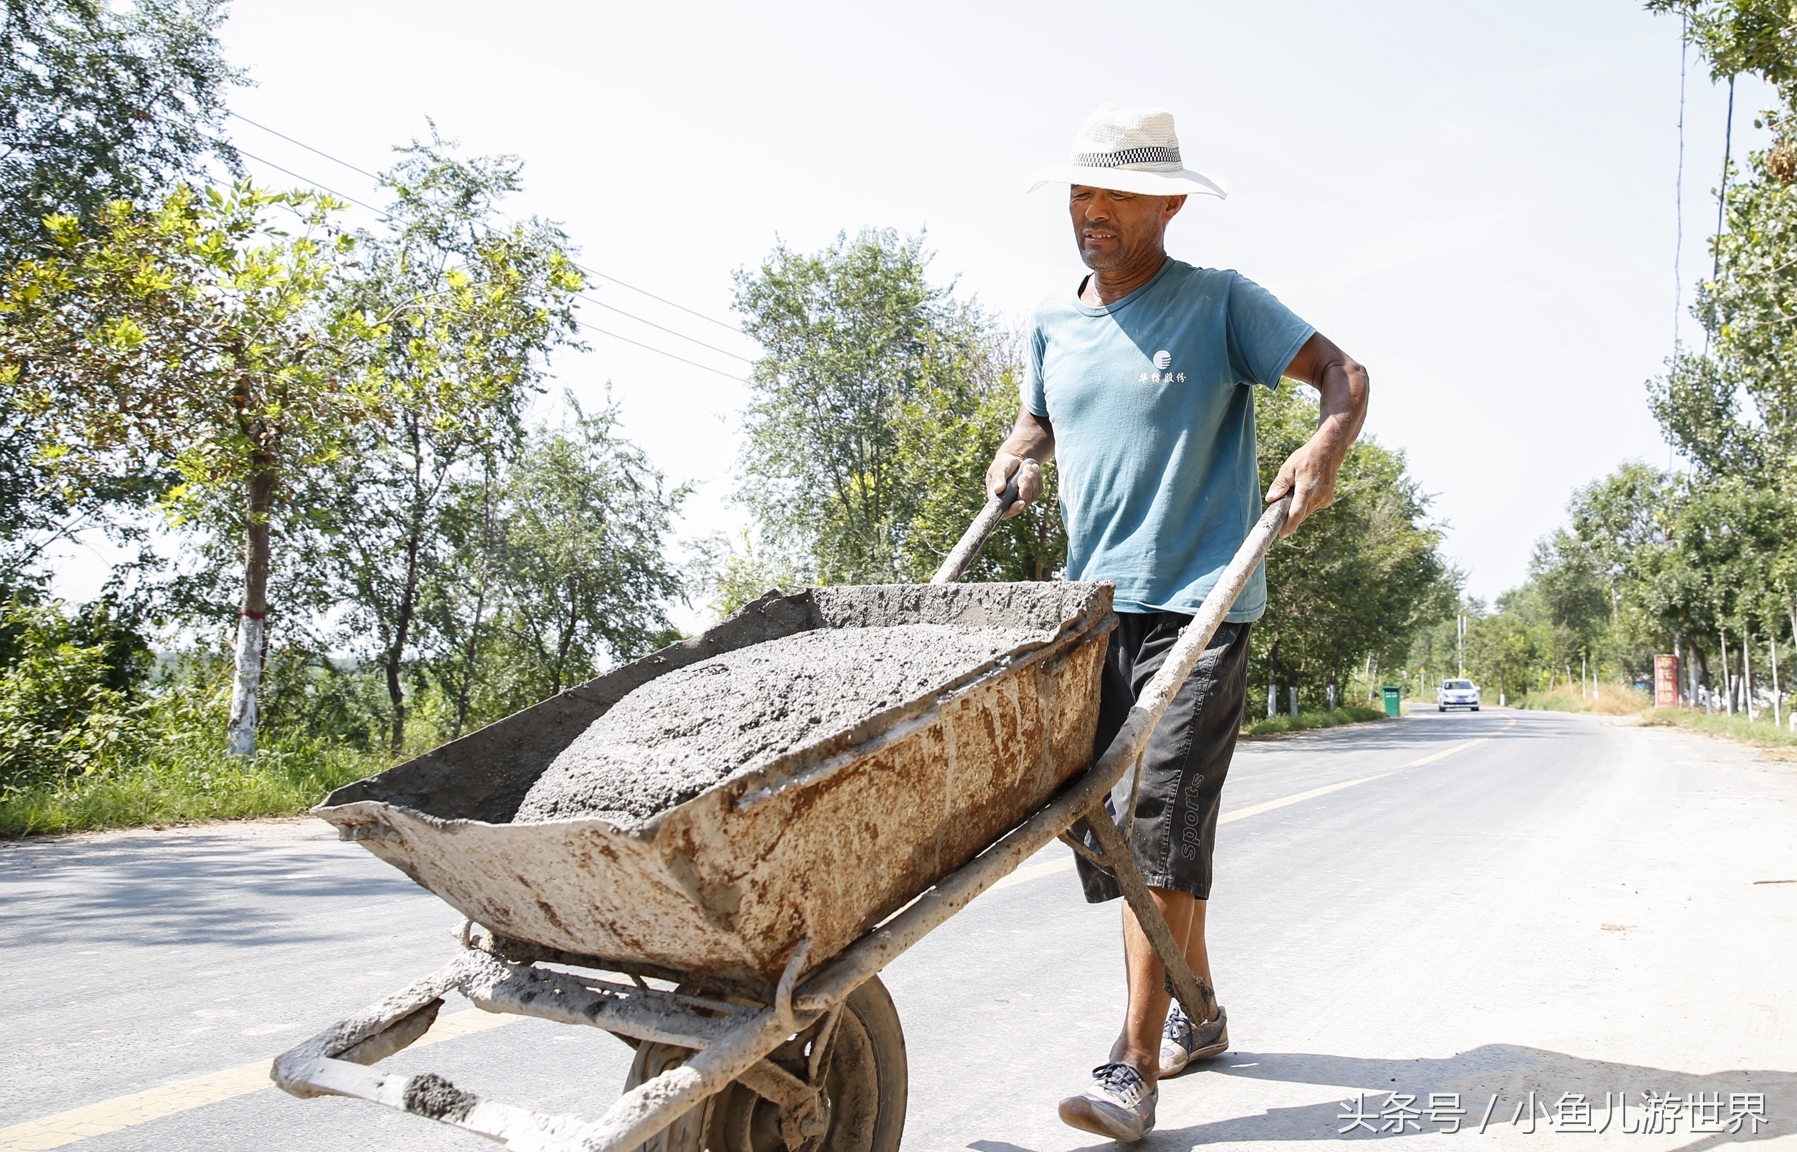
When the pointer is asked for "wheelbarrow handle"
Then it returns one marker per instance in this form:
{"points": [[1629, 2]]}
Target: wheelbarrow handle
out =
{"points": [[956, 562]]}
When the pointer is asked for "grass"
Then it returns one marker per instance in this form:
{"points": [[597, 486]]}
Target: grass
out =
{"points": [[1615, 700], [1761, 733], [184, 782], [1303, 721], [1608, 700]]}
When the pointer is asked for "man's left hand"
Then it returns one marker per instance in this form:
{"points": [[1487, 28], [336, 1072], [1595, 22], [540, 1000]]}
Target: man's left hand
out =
{"points": [[1309, 473]]}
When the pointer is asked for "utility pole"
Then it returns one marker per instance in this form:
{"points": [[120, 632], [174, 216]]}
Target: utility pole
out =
{"points": [[1462, 644]]}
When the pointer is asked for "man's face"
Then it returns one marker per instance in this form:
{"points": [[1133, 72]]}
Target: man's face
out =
{"points": [[1120, 229]]}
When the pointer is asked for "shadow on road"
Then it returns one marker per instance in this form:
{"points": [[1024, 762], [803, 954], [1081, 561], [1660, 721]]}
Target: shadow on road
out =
{"points": [[1508, 1071], [185, 888]]}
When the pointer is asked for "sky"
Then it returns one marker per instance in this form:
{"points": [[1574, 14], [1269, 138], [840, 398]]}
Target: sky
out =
{"points": [[1478, 202]]}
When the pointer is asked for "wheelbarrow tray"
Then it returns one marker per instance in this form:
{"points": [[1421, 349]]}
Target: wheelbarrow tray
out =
{"points": [[822, 843]]}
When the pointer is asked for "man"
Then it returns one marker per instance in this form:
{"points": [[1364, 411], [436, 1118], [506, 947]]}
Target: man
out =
{"points": [[1141, 381]]}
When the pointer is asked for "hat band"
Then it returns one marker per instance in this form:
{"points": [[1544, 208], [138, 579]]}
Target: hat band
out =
{"points": [[1151, 154]]}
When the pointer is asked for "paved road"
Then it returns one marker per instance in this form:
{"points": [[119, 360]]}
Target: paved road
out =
{"points": [[1564, 906]]}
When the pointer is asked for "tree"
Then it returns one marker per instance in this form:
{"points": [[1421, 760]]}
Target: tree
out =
{"points": [[471, 306], [1359, 579], [855, 338], [193, 337], [947, 437], [560, 567], [1741, 36], [103, 104], [98, 104]]}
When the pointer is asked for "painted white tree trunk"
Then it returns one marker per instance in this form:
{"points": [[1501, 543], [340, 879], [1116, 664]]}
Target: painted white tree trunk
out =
{"points": [[245, 685]]}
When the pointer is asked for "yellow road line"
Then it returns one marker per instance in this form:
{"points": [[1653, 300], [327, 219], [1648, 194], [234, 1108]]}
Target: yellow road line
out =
{"points": [[168, 1099], [1065, 863], [1257, 809]]}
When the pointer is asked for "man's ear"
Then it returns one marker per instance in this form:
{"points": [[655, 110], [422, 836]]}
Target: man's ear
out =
{"points": [[1170, 208]]}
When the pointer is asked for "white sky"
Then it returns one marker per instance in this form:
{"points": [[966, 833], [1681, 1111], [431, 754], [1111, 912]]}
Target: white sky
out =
{"points": [[1476, 201]]}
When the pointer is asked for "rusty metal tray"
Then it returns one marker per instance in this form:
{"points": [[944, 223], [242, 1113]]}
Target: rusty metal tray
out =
{"points": [[819, 845]]}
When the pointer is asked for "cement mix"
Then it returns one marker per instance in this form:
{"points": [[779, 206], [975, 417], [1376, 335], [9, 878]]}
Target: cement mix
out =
{"points": [[679, 734]]}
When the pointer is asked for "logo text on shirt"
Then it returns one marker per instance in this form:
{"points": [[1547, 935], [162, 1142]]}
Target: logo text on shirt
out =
{"points": [[1163, 359]]}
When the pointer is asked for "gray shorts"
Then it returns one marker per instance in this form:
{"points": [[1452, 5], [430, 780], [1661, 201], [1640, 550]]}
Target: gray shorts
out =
{"points": [[1187, 757]]}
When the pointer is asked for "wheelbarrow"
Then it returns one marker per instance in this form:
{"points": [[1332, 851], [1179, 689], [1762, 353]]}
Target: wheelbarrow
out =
{"points": [[766, 906]]}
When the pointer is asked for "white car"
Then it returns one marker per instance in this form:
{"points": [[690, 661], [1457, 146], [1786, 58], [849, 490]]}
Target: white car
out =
{"points": [[1457, 694]]}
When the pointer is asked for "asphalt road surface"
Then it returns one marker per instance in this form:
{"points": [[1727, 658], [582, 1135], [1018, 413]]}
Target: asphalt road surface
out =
{"points": [[1470, 906]]}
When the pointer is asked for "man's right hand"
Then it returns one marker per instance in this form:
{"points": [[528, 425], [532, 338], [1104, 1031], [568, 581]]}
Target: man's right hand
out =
{"points": [[1029, 484], [1030, 443]]}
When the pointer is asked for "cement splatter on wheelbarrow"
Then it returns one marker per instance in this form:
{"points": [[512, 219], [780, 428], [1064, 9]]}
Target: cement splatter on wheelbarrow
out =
{"points": [[679, 734]]}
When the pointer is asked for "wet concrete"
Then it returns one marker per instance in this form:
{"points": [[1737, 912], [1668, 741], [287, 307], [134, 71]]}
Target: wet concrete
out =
{"points": [[679, 734]]}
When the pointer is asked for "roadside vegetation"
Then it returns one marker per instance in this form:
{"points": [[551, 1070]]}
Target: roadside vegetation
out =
{"points": [[1305, 721], [1738, 728], [356, 521], [1700, 560], [1600, 699]]}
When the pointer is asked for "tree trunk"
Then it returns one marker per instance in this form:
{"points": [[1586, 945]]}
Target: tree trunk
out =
{"points": [[461, 698], [394, 659], [252, 616], [1747, 671], [1728, 689], [1273, 680]]}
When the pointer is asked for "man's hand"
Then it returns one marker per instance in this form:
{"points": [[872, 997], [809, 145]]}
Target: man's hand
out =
{"points": [[1309, 473], [1022, 454], [1029, 484]]}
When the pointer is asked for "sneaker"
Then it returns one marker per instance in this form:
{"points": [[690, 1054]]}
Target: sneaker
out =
{"points": [[1183, 1042], [1119, 1104]]}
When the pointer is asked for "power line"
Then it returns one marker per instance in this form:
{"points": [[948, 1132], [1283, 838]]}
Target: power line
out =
{"points": [[582, 267], [718, 371], [669, 331], [669, 303], [1728, 140], [302, 144], [1678, 249], [1728, 144], [312, 182], [578, 295]]}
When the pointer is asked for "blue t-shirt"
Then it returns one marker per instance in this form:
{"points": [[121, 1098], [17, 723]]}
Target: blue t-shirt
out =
{"points": [[1153, 415]]}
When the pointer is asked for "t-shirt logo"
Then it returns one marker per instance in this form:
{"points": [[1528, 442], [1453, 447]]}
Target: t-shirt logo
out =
{"points": [[1163, 359]]}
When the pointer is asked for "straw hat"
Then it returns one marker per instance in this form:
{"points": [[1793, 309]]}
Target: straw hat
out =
{"points": [[1129, 150]]}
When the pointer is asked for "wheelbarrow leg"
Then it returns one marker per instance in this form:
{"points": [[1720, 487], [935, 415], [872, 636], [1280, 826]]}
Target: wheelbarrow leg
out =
{"points": [[1113, 855]]}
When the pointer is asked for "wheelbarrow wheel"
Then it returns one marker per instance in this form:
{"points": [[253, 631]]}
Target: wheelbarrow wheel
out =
{"points": [[864, 1077]]}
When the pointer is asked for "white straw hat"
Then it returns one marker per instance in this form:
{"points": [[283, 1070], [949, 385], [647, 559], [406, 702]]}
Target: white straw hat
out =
{"points": [[1129, 150]]}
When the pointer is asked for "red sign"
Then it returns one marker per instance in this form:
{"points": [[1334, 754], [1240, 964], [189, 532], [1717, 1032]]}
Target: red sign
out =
{"points": [[1665, 681]]}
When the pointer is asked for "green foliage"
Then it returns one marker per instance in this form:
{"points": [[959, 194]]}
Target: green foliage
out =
{"points": [[103, 103], [66, 699], [1359, 579], [1741, 36], [1732, 727], [160, 761], [190, 336], [585, 520], [861, 355], [878, 405], [193, 338], [469, 308], [947, 439], [728, 577], [1306, 721]]}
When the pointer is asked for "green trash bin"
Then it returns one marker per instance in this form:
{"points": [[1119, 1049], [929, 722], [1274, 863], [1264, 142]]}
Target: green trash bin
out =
{"points": [[1392, 695]]}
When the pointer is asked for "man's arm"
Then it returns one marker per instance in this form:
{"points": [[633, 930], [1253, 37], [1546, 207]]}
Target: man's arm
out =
{"points": [[1309, 473], [1029, 446]]}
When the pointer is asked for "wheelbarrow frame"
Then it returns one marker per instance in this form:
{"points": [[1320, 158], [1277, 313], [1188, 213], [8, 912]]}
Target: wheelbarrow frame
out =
{"points": [[731, 1041]]}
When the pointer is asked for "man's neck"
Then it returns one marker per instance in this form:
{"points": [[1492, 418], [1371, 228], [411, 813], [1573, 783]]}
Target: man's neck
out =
{"points": [[1108, 287]]}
